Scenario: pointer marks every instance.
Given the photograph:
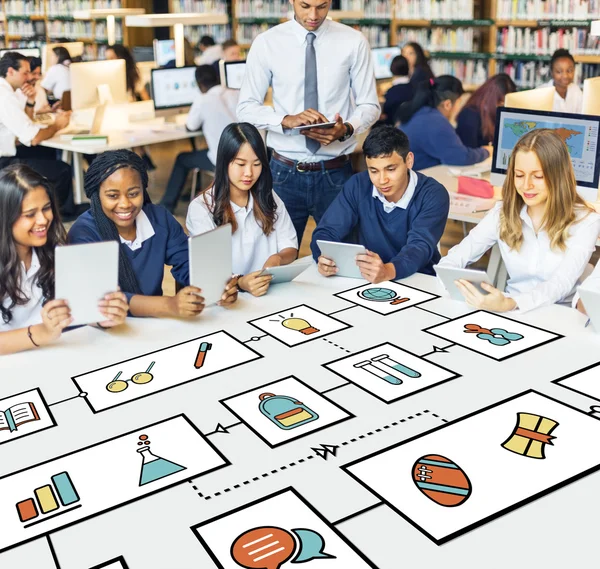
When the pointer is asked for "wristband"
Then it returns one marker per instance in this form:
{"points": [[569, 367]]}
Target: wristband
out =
{"points": [[30, 105], [31, 337]]}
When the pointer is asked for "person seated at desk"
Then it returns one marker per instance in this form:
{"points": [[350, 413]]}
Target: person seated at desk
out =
{"points": [[568, 97], [31, 229], [135, 88], [418, 66], [209, 51], [116, 184], [401, 90], [41, 98], [426, 122], [16, 123], [58, 77], [397, 214], [231, 52], [546, 232], [263, 233], [476, 122], [212, 110]]}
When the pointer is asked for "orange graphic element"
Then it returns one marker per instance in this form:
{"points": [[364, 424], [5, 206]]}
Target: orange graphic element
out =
{"points": [[263, 548]]}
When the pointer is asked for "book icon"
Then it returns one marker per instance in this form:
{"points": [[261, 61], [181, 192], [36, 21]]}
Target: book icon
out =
{"points": [[18, 415]]}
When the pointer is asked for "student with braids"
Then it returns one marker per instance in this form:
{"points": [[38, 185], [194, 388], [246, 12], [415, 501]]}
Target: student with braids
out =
{"points": [[426, 122], [116, 184], [30, 229]]}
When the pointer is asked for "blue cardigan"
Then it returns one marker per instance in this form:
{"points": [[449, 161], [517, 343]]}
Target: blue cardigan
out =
{"points": [[468, 128], [168, 246], [407, 238], [433, 141]]}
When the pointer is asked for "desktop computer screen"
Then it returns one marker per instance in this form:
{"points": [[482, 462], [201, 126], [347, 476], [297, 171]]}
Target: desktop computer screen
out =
{"points": [[164, 52], [232, 73], [26, 51], [142, 53], [382, 59], [174, 87], [579, 132], [97, 82]]}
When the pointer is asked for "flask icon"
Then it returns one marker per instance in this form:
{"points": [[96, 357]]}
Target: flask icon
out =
{"points": [[154, 467]]}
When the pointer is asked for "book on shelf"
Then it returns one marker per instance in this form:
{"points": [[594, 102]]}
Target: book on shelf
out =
{"points": [[547, 9], [545, 41], [434, 10], [18, 415]]}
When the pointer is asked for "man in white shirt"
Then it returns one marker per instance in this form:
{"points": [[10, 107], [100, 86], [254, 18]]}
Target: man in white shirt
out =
{"points": [[16, 124], [212, 110], [209, 52], [319, 71]]}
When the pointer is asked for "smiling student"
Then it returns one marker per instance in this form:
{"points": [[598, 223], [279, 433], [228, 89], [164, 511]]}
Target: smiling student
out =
{"points": [[263, 233], [116, 184], [397, 214], [30, 229], [568, 97], [545, 231]]}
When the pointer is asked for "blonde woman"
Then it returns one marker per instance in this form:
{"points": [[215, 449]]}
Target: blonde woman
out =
{"points": [[545, 231]]}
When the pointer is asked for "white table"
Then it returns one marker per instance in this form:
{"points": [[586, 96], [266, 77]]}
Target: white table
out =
{"points": [[153, 532]]}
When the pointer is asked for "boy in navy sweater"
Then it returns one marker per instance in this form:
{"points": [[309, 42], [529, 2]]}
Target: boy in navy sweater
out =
{"points": [[396, 214]]}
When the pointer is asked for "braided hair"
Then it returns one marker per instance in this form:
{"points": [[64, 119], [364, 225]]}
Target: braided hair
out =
{"points": [[104, 166]]}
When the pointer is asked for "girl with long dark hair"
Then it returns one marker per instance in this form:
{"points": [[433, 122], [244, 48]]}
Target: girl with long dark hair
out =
{"points": [[135, 88], [242, 194], [30, 229], [150, 237], [476, 122], [426, 122], [58, 77], [418, 64]]}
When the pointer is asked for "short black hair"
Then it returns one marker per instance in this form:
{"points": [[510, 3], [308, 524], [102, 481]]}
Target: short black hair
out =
{"points": [[206, 41], [399, 66], [11, 59], [384, 141], [34, 62], [561, 54], [206, 76]]}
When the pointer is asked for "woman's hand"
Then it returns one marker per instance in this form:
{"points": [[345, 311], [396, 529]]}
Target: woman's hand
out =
{"points": [[230, 293], [186, 303], [255, 285], [56, 316], [114, 306], [494, 301]]}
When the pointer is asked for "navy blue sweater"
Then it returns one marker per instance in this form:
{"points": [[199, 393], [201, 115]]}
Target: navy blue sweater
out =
{"points": [[407, 238], [468, 128], [168, 246], [433, 141], [395, 96]]}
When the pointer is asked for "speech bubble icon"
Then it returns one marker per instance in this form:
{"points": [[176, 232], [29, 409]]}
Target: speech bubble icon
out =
{"points": [[312, 545], [263, 548]]}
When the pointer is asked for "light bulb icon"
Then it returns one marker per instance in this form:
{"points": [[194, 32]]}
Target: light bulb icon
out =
{"points": [[300, 325]]}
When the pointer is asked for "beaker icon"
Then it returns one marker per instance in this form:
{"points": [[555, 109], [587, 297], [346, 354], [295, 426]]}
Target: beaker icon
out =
{"points": [[155, 467]]}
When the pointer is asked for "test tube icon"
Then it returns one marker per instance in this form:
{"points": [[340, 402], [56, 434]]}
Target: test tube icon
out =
{"points": [[387, 364], [370, 368]]}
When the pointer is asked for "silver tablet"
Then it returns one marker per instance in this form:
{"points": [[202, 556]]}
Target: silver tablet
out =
{"points": [[84, 274], [210, 262], [591, 303], [450, 274], [344, 256], [285, 273]]}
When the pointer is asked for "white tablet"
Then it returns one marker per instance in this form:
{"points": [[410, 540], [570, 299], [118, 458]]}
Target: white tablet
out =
{"points": [[84, 274], [344, 256], [318, 125], [450, 274], [285, 273], [210, 262], [591, 303]]}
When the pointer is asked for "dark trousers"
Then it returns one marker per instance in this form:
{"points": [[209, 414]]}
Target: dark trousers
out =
{"points": [[307, 193], [185, 162]]}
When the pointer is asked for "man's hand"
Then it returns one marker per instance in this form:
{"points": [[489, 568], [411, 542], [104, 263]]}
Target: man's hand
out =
{"points": [[495, 301], [29, 91], [62, 120], [373, 269], [310, 116], [326, 266], [327, 135]]}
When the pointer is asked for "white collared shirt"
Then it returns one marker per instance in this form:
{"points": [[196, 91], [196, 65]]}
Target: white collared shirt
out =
{"points": [[210, 55], [143, 231], [30, 313], [212, 112], [400, 81], [572, 103], [14, 122], [403, 202], [539, 275], [250, 246], [346, 85], [57, 80]]}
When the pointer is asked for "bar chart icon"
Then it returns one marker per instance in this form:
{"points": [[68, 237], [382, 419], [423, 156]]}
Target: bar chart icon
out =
{"points": [[49, 501]]}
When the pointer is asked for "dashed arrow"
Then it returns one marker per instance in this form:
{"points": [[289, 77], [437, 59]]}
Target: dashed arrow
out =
{"points": [[325, 450]]}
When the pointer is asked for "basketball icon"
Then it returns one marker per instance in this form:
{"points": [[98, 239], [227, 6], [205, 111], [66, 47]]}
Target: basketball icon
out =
{"points": [[441, 480], [380, 294]]}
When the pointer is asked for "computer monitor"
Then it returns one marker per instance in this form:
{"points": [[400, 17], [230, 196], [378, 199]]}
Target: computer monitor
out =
{"points": [[580, 133], [74, 48], [591, 96], [87, 77], [382, 59], [25, 51], [232, 73], [173, 89], [164, 52], [541, 99], [142, 53]]}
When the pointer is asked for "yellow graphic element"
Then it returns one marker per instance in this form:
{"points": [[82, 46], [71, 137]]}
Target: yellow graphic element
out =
{"points": [[531, 435], [46, 499], [300, 325]]}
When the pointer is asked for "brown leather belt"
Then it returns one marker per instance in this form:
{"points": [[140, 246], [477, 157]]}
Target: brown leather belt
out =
{"points": [[312, 166]]}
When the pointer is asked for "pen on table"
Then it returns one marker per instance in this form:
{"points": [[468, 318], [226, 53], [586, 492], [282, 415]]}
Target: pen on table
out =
{"points": [[587, 323], [204, 347]]}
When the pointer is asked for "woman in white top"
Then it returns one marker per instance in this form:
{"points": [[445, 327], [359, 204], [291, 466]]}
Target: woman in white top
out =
{"points": [[58, 78], [568, 97], [242, 194], [30, 229], [545, 231]]}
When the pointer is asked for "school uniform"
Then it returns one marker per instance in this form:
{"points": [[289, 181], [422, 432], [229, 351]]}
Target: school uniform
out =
{"points": [[405, 233], [419, 76], [29, 314], [57, 80], [250, 246], [433, 141], [159, 241], [400, 92], [572, 103], [539, 275], [468, 128]]}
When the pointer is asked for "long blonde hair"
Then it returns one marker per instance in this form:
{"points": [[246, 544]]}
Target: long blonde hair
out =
{"points": [[563, 200]]}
